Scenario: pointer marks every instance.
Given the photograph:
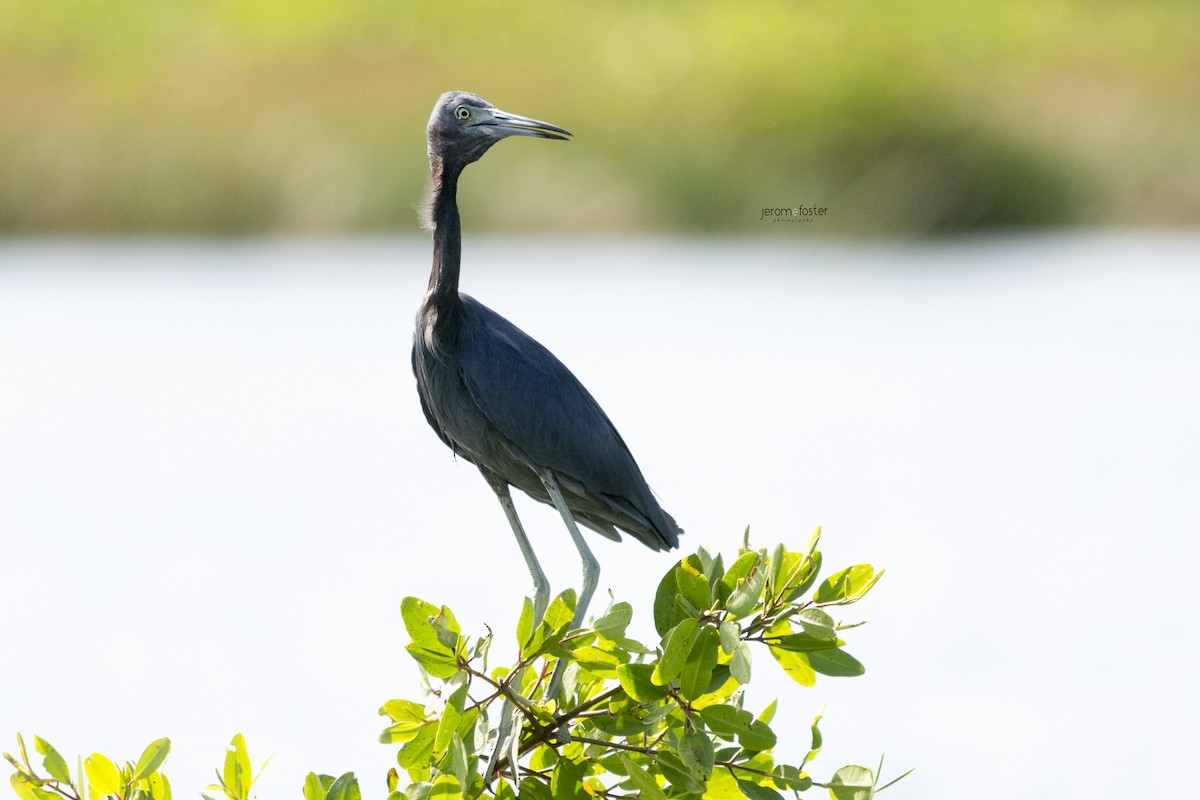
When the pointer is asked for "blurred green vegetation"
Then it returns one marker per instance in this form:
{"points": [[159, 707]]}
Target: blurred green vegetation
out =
{"points": [[899, 116]]}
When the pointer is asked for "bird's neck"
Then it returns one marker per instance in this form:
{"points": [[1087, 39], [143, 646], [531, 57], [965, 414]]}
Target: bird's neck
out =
{"points": [[447, 235]]}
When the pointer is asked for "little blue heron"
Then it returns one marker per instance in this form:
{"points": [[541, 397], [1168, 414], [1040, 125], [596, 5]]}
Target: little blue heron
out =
{"points": [[500, 399]]}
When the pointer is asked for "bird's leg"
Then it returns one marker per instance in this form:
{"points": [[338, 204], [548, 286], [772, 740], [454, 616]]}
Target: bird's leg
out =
{"points": [[541, 599], [541, 586], [591, 571]]}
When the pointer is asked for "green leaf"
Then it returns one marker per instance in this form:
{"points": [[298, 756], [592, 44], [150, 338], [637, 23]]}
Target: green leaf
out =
{"points": [[758, 736], [459, 762], [448, 725], [817, 624], [236, 775], [817, 741], [566, 783], [555, 624], [726, 721], [418, 617], [314, 787], [103, 775], [747, 591], [803, 643], [775, 569], [644, 781], [731, 635], [404, 711], [54, 763], [836, 664], [677, 645], [525, 624], [768, 713], [737, 573], [788, 777], [667, 613], [696, 750], [677, 772], [722, 786], [848, 585], [756, 792], [805, 577], [692, 583], [419, 751], [152, 758], [439, 663], [739, 665], [344, 788], [533, 789], [28, 788], [636, 681], [852, 783], [160, 787], [614, 622], [602, 663], [698, 669], [796, 665]]}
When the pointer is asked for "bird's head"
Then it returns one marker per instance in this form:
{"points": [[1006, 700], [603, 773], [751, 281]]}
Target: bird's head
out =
{"points": [[464, 125]]}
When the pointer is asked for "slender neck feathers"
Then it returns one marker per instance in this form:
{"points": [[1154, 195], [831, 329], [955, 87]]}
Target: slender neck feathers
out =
{"points": [[447, 233]]}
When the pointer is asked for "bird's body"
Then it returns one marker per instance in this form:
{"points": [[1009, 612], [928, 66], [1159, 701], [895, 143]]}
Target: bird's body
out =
{"points": [[500, 399]]}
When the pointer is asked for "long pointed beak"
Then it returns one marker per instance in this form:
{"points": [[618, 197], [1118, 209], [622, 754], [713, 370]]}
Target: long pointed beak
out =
{"points": [[513, 125]]}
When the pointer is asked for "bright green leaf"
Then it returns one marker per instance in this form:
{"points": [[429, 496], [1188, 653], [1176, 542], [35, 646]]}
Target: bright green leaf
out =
{"points": [[644, 781], [677, 644], [796, 665], [344, 788], [692, 583], [525, 624], [54, 763], [848, 585], [836, 664], [314, 788], [404, 711], [152, 758], [698, 669], [419, 751], [722, 786], [636, 681], [236, 775], [448, 725], [852, 783], [103, 775]]}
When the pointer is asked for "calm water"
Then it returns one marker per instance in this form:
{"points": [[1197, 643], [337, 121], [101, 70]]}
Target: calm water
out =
{"points": [[216, 485]]}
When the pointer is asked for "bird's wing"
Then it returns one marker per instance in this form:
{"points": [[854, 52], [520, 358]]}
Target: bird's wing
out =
{"points": [[535, 402]]}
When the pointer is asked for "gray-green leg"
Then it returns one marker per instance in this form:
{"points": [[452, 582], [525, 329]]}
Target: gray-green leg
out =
{"points": [[591, 571]]}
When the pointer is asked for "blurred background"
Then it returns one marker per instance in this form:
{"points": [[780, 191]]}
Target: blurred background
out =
{"points": [[979, 367], [902, 117]]}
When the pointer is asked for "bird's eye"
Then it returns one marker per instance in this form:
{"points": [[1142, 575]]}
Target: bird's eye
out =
{"points": [[462, 112]]}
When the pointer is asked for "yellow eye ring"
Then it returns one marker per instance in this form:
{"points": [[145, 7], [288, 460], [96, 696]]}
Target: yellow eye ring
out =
{"points": [[462, 112]]}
